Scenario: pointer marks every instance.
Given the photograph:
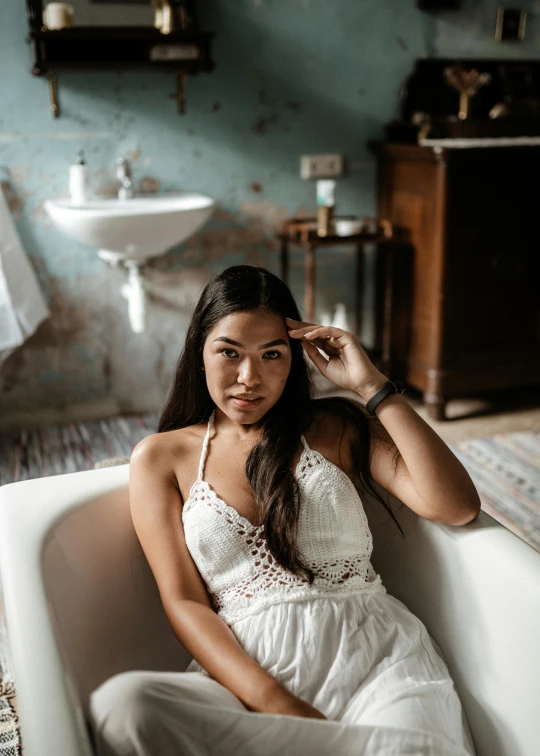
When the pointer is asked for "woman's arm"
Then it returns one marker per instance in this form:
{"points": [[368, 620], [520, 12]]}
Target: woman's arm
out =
{"points": [[429, 478], [426, 476], [156, 510]]}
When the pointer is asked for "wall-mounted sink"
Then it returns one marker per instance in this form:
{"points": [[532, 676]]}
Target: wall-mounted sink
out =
{"points": [[132, 229], [129, 231]]}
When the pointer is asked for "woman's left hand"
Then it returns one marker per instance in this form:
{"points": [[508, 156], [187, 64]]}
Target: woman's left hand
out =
{"points": [[348, 366]]}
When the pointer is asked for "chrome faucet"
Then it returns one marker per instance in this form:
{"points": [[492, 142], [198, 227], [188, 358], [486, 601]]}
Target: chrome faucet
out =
{"points": [[123, 174]]}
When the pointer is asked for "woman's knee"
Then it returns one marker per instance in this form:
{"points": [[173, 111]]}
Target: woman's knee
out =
{"points": [[121, 704]]}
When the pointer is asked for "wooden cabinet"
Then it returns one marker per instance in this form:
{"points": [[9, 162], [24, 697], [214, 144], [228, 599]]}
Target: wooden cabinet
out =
{"points": [[473, 216]]}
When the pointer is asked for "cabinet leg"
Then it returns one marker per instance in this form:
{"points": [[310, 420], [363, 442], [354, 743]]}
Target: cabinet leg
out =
{"points": [[436, 406]]}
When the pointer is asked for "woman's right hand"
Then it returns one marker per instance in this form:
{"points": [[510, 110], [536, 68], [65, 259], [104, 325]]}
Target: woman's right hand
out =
{"points": [[300, 708], [283, 702]]}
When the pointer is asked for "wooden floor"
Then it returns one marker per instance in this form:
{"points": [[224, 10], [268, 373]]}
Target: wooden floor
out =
{"points": [[473, 417]]}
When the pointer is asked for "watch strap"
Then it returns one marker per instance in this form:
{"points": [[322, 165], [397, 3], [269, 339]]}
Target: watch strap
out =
{"points": [[389, 388]]}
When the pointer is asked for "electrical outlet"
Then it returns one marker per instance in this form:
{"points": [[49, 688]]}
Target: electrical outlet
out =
{"points": [[321, 166]]}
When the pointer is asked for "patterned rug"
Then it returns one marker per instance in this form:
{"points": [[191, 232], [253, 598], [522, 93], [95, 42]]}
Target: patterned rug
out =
{"points": [[505, 469], [58, 449], [10, 740]]}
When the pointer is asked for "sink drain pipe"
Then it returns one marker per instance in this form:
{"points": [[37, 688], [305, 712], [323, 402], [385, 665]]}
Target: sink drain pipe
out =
{"points": [[133, 292]]}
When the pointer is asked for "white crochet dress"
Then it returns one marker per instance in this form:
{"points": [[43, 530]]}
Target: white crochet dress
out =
{"points": [[342, 644]]}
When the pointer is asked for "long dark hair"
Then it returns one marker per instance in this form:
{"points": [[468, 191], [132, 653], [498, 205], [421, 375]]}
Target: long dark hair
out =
{"points": [[249, 288]]}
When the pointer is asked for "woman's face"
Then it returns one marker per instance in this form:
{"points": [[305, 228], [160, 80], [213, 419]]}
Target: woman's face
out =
{"points": [[247, 359]]}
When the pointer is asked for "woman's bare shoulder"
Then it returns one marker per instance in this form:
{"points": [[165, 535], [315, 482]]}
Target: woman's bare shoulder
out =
{"points": [[168, 447]]}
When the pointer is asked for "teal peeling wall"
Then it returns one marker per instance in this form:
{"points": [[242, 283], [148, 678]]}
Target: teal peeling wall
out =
{"points": [[292, 77]]}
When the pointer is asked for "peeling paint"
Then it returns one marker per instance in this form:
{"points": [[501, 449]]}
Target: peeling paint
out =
{"points": [[14, 201], [264, 212], [263, 124], [149, 185], [105, 187], [224, 215], [402, 43]]}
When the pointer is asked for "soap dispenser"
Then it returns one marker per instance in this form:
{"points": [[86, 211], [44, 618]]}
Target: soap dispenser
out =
{"points": [[78, 180]]}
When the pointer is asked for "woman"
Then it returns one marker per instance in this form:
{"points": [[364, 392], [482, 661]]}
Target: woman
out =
{"points": [[246, 505]]}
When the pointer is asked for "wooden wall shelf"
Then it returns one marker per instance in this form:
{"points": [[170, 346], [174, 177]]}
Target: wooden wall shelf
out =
{"points": [[121, 47], [86, 48]]}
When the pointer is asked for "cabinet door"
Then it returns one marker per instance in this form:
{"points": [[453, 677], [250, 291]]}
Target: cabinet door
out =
{"points": [[412, 195], [492, 271]]}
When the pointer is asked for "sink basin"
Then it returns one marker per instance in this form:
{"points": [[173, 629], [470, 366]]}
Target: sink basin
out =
{"points": [[132, 230]]}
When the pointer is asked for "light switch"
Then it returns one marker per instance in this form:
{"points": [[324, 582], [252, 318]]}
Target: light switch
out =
{"points": [[321, 166]]}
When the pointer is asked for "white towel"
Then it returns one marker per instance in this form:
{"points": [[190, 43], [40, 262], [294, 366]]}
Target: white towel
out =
{"points": [[22, 304]]}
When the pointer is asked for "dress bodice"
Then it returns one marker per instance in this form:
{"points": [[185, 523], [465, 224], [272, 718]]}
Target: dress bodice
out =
{"points": [[233, 558]]}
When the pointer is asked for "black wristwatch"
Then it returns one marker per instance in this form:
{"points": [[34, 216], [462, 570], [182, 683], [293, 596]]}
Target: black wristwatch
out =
{"points": [[389, 388]]}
